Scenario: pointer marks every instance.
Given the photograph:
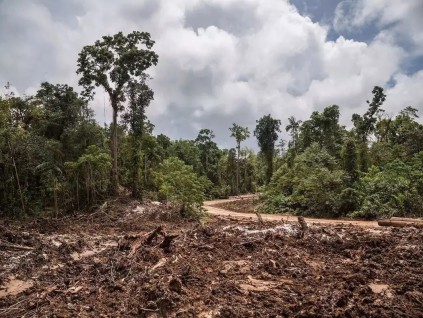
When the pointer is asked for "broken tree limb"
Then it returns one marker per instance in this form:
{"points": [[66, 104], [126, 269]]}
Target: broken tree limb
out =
{"points": [[260, 219], [167, 241], [302, 227], [153, 234], [401, 222], [15, 247], [146, 239]]}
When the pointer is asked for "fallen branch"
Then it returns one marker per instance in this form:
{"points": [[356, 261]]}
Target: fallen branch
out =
{"points": [[145, 239], [153, 234], [302, 227], [167, 241], [260, 219], [15, 247]]}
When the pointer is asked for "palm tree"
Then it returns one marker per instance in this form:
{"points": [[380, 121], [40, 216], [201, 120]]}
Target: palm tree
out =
{"points": [[240, 134], [293, 127]]}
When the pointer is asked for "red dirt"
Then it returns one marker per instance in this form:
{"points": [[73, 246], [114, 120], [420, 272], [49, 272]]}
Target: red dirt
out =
{"points": [[108, 265], [244, 207]]}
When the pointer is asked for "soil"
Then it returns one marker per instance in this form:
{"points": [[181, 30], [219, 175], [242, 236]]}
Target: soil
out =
{"points": [[245, 207], [132, 260], [242, 204]]}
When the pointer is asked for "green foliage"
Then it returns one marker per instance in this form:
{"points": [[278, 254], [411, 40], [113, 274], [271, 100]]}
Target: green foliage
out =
{"points": [[117, 63], [180, 185], [209, 154], [394, 190], [140, 96], [266, 131], [240, 134], [90, 176], [312, 186], [366, 124], [293, 127], [324, 129], [349, 161]]}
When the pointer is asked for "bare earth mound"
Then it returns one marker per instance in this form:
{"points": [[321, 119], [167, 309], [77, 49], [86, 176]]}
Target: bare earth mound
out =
{"points": [[120, 263]]}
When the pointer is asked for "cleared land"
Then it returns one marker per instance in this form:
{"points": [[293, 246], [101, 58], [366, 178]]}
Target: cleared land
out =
{"points": [[119, 262]]}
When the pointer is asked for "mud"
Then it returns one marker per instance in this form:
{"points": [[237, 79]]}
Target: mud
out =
{"points": [[108, 264]]}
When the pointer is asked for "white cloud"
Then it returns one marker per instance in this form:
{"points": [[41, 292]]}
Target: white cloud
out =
{"points": [[398, 19], [212, 74]]}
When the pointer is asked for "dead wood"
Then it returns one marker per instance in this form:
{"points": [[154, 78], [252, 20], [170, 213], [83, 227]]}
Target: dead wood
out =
{"points": [[153, 234], [15, 247], [401, 223], [260, 219], [167, 241]]}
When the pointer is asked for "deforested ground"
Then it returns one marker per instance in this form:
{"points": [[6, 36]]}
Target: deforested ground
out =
{"points": [[132, 260]]}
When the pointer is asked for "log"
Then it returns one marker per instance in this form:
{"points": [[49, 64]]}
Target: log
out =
{"points": [[15, 247], [406, 219], [400, 223]]}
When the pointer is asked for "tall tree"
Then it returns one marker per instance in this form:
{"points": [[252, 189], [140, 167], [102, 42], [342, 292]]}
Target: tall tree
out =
{"points": [[140, 96], [207, 147], [349, 160], [240, 134], [293, 127], [113, 63], [266, 131], [366, 124]]}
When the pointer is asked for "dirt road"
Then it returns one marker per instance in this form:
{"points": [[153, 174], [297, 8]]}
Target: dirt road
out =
{"points": [[213, 210]]}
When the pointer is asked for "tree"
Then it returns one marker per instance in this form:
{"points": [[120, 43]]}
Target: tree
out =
{"points": [[140, 96], [209, 153], [312, 186], [240, 134], [62, 108], [188, 152], [266, 132], [179, 184], [293, 127], [323, 128], [366, 124], [113, 63], [349, 160]]}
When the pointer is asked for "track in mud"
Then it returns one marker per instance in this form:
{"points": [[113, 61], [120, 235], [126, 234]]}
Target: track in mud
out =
{"points": [[110, 265]]}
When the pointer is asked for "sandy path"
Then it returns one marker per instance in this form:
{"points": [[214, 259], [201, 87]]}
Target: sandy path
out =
{"points": [[213, 210]]}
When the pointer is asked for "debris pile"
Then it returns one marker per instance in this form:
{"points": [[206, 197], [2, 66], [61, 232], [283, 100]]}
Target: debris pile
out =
{"points": [[126, 262]]}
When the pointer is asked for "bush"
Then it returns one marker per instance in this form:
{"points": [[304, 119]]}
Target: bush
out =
{"points": [[312, 186], [391, 191], [179, 184]]}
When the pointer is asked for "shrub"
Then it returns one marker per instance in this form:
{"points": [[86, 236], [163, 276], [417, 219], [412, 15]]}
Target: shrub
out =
{"points": [[179, 184]]}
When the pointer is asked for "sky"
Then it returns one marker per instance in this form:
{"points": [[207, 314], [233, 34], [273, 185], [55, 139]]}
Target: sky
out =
{"points": [[229, 61]]}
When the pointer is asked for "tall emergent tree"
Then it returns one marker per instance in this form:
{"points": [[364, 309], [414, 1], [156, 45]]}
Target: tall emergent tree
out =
{"points": [[349, 160], [293, 127], [366, 124], [113, 63], [209, 153], [266, 131], [140, 96], [240, 134]]}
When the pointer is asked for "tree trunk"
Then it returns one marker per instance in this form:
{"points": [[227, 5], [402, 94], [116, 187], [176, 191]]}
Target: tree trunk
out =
{"points": [[269, 170], [401, 222], [135, 167], [12, 153], [115, 175], [237, 168]]}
